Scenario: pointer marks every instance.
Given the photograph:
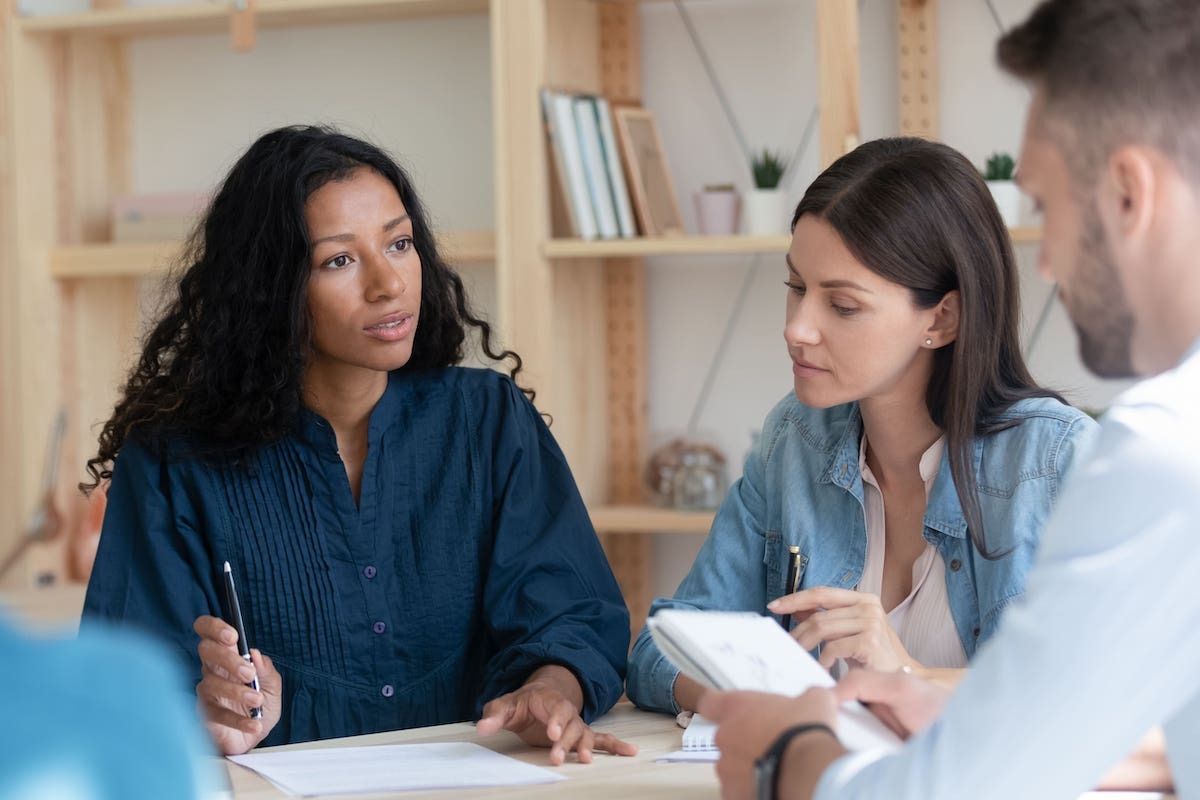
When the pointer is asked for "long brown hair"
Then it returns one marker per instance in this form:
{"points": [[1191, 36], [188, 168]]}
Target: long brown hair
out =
{"points": [[918, 214]]}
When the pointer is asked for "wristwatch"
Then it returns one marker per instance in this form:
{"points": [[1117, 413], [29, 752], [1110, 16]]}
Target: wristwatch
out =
{"points": [[766, 769]]}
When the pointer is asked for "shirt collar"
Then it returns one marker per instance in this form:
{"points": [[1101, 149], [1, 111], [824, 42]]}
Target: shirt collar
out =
{"points": [[929, 466], [943, 511], [317, 432]]}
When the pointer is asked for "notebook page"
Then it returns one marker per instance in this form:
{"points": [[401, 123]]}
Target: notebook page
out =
{"points": [[749, 651]]}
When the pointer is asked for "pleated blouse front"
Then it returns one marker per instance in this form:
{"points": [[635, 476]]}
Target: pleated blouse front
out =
{"points": [[468, 561]]}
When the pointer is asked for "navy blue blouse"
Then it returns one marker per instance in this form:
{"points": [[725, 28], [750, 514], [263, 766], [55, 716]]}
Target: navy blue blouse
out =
{"points": [[468, 562]]}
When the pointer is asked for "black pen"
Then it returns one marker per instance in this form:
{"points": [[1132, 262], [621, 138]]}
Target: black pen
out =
{"points": [[235, 609], [792, 584]]}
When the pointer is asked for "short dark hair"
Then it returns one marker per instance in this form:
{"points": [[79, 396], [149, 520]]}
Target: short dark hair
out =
{"points": [[919, 214], [1123, 71], [222, 366]]}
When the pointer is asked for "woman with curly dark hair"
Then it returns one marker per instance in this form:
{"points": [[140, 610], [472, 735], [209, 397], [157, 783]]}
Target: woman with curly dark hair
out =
{"points": [[409, 544]]}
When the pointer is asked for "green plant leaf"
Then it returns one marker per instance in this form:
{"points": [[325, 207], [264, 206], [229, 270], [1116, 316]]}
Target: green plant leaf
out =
{"points": [[768, 169]]}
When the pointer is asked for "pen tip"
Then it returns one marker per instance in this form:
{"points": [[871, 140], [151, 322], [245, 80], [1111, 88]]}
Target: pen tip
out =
{"points": [[227, 569]]}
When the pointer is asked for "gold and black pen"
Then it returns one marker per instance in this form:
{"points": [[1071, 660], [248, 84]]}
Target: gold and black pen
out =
{"points": [[792, 585]]}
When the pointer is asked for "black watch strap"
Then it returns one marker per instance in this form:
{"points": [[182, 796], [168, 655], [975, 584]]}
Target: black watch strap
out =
{"points": [[767, 768]]}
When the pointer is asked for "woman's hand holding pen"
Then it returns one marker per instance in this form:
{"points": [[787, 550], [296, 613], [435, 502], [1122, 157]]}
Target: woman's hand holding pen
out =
{"points": [[545, 713], [850, 625], [222, 694]]}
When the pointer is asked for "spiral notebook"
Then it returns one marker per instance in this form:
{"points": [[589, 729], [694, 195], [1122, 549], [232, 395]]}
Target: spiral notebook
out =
{"points": [[729, 650]]}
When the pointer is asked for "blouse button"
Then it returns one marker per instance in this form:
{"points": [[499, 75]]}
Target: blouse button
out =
{"points": [[976, 633], [379, 627], [387, 690], [955, 565], [369, 571]]}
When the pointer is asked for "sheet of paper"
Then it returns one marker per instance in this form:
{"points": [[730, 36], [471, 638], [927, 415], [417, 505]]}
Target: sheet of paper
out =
{"points": [[392, 768], [691, 756]]}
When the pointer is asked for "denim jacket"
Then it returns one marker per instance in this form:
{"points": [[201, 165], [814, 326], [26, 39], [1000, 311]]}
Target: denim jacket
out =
{"points": [[802, 486]]}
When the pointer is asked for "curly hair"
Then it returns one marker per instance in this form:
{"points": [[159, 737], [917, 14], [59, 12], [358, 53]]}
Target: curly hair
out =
{"points": [[223, 366]]}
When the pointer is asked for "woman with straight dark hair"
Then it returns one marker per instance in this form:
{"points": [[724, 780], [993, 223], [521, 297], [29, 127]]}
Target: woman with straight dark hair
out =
{"points": [[913, 465], [408, 544]]}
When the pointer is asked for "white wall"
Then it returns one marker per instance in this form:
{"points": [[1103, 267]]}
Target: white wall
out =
{"points": [[405, 84]]}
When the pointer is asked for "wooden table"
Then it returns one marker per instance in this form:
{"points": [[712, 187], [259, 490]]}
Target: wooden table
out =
{"points": [[637, 778], [606, 777]]}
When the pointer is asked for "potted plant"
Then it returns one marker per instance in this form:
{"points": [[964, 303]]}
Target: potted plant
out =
{"points": [[762, 207], [717, 207], [998, 174]]}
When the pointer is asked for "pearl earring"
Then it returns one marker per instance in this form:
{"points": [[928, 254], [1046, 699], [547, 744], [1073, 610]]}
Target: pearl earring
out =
{"points": [[929, 342]]}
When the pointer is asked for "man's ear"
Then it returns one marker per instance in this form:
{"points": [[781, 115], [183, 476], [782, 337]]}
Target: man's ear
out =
{"points": [[944, 328], [1127, 192]]}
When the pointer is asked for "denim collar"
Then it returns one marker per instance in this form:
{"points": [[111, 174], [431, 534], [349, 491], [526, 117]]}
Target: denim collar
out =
{"points": [[943, 511]]}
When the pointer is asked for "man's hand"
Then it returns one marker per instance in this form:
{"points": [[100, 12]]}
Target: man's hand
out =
{"points": [[905, 703], [748, 723], [545, 713]]}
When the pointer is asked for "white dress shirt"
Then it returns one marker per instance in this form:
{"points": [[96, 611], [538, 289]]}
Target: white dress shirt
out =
{"points": [[1105, 643]]}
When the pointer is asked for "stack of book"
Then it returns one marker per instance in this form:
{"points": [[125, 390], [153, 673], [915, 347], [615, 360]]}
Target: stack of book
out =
{"points": [[587, 164]]}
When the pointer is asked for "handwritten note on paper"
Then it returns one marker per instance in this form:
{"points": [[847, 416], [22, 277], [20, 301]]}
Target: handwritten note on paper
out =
{"points": [[391, 768]]}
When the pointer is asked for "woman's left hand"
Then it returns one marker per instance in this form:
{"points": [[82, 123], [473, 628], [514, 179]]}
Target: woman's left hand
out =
{"points": [[849, 625], [545, 713]]}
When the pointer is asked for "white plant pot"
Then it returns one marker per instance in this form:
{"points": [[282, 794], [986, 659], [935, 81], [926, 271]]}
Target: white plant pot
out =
{"points": [[717, 212], [1008, 200], [763, 212]]}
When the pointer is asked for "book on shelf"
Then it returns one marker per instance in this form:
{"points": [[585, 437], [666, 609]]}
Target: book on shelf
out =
{"points": [[616, 174], [730, 650], [594, 169], [559, 113], [588, 190]]}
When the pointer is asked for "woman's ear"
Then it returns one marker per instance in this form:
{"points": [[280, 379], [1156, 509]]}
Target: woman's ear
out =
{"points": [[944, 328]]}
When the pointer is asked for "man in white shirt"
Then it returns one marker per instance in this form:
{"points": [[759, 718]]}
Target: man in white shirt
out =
{"points": [[1105, 644]]}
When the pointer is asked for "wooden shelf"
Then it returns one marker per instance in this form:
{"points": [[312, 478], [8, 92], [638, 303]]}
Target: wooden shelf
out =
{"points": [[665, 246], [648, 519], [138, 259], [1025, 234], [210, 17], [698, 245]]}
